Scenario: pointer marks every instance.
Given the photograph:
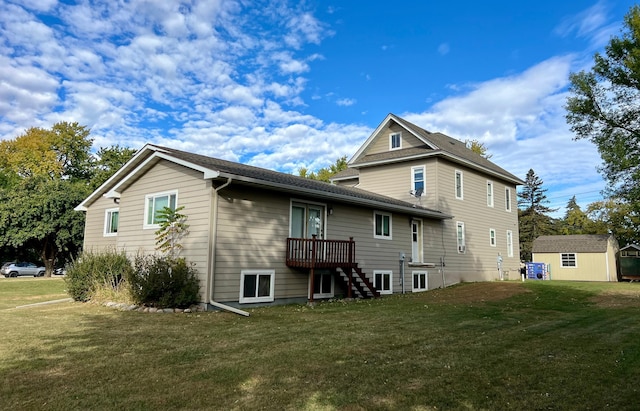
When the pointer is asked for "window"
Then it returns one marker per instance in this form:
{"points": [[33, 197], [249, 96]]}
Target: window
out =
{"points": [[490, 193], [256, 286], [382, 225], [509, 243], [395, 141], [417, 180], [507, 199], [460, 236], [307, 220], [492, 237], [568, 260], [156, 202], [458, 185], [419, 281], [111, 222], [382, 281], [322, 285]]}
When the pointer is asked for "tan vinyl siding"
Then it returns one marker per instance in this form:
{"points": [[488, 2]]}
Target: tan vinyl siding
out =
{"points": [[480, 260], [380, 144], [253, 226], [94, 238], [193, 192]]}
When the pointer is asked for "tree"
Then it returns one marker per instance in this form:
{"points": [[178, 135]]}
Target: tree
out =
{"points": [[107, 161], [325, 173], [44, 176], [575, 220], [38, 213], [173, 228], [478, 148], [603, 108], [614, 217], [532, 213]]}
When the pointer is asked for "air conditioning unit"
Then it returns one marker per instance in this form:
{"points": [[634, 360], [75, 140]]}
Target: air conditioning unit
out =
{"points": [[462, 248]]}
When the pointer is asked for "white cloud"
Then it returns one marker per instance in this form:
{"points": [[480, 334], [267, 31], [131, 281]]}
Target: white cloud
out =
{"points": [[345, 102]]}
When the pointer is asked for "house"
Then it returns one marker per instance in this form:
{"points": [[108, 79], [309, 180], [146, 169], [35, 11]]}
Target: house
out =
{"points": [[415, 211], [584, 257]]}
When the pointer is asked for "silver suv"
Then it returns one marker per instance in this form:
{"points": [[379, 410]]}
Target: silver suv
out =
{"points": [[17, 269]]}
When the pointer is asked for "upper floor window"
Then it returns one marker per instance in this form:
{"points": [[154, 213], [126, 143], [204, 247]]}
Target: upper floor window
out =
{"points": [[417, 180], [509, 243], [462, 248], [395, 141], [111, 222], [458, 183], [507, 199], [382, 225], [490, 193], [154, 203], [568, 260], [492, 237]]}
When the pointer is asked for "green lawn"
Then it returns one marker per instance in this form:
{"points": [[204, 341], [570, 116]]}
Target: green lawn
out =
{"points": [[483, 346], [20, 291]]}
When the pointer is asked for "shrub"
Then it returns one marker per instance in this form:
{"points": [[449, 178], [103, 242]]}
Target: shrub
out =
{"points": [[163, 282], [92, 270]]}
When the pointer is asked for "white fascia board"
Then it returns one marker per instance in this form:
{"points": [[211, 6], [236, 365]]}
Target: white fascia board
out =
{"points": [[377, 131]]}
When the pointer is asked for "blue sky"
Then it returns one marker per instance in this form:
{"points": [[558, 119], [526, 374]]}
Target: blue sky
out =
{"points": [[287, 84]]}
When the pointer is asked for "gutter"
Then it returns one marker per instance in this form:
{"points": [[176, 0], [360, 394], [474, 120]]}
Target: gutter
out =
{"points": [[213, 230]]}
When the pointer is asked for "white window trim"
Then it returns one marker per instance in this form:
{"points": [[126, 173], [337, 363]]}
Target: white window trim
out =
{"points": [[455, 185], [575, 258], [384, 272], [323, 295], [462, 250], [492, 237], [267, 299], [507, 199], [399, 134], [107, 222], [490, 193], [426, 281], [146, 207], [424, 178], [509, 243], [383, 237], [294, 201]]}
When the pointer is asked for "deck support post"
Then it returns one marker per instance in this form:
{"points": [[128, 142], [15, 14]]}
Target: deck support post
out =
{"points": [[313, 264]]}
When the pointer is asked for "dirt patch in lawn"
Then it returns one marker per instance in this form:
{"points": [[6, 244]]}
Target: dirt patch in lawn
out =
{"points": [[476, 292], [617, 299]]}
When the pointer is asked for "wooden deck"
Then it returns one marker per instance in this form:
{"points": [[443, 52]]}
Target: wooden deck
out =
{"points": [[313, 253]]}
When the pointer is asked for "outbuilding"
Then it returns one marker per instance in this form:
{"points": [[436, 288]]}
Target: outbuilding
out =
{"points": [[584, 257]]}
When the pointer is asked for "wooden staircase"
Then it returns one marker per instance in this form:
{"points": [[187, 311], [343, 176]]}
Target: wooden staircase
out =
{"points": [[358, 285]]}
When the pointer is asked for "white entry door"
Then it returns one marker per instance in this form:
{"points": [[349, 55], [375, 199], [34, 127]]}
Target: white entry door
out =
{"points": [[416, 241]]}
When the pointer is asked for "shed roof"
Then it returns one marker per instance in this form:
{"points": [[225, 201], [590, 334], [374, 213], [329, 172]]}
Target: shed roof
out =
{"points": [[581, 243]]}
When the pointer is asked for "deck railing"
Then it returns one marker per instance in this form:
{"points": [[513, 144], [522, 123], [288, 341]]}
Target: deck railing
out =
{"points": [[315, 253]]}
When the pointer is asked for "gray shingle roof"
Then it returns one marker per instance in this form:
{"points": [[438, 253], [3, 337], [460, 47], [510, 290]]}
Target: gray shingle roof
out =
{"points": [[583, 243], [289, 182], [437, 143]]}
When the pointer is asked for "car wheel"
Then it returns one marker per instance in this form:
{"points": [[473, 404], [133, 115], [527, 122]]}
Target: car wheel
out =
{"points": [[41, 274], [13, 274]]}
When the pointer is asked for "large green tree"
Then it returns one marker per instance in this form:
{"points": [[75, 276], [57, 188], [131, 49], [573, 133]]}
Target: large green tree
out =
{"points": [[533, 218], [44, 175], [575, 220], [614, 217], [604, 108]]}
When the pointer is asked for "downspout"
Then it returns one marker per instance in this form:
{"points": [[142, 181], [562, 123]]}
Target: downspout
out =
{"points": [[213, 229]]}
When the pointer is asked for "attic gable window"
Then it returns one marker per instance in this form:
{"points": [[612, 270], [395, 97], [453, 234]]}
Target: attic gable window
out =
{"points": [[395, 141], [156, 202], [111, 222]]}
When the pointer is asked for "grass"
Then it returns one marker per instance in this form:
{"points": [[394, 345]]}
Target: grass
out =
{"points": [[19, 291], [483, 346]]}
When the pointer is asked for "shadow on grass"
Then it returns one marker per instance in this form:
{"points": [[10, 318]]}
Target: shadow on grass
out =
{"points": [[416, 351]]}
